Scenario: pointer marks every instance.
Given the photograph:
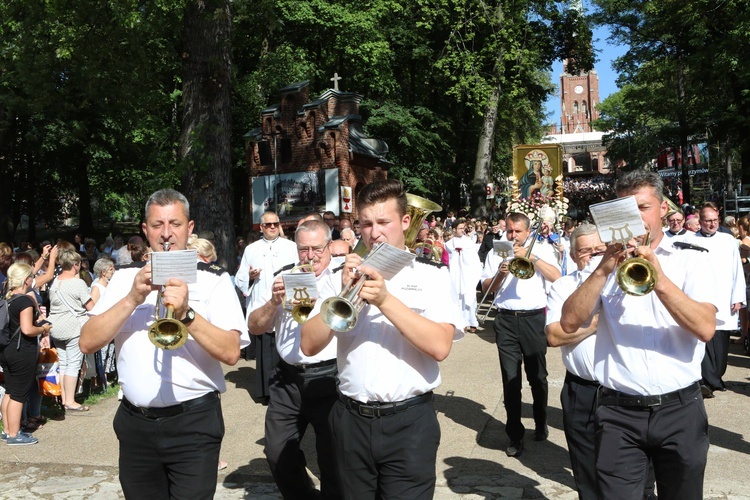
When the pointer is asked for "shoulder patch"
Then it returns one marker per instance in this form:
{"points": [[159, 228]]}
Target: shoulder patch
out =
{"points": [[285, 268], [689, 246], [337, 269], [132, 265], [425, 260], [211, 268]]}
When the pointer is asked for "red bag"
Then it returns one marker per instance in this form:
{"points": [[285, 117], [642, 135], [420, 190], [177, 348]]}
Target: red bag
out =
{"points": [[48, 373]]}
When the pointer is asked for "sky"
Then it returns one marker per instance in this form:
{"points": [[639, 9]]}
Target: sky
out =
{"points": [[606, 53]]}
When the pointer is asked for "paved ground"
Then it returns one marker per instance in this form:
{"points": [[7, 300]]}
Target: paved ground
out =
{"points": [[77, 457]]}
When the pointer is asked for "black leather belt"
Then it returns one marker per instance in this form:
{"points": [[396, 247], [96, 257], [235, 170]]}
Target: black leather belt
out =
{"points": [[519, 313], [609, 397], [303, 368], [570, 377], [375, 410], [170, 411]]}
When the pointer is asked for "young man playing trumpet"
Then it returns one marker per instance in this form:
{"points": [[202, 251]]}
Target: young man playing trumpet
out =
{"points": [[384, 426], [302, 389]]}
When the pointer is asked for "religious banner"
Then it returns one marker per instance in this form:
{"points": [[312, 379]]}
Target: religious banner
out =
{"points": [[538, 181], [295, 194]]}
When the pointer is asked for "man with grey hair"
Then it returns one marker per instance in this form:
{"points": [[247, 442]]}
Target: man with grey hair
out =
{"points": [[303, 388], [349, 237], [648, 357], [169, 423]]}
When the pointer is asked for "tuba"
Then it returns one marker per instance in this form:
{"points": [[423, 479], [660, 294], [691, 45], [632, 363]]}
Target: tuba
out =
{"points": [[341, 312], [637, 276], [304, 306]]}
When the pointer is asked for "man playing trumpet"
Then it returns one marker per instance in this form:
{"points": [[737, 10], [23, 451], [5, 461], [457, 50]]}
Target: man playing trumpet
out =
{"points": [[302, 389], [169, 424], [648, 358], [384, 426]]}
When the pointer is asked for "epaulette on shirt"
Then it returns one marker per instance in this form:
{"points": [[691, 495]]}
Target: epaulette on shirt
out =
{"points": [[132, 265], [427, 260], [285, 268], [211, 268], [689, 246], [337, 269]]}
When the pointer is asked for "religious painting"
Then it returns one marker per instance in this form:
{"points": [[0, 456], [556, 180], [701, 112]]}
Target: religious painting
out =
{"points": [[292, 195], [537, 168]]}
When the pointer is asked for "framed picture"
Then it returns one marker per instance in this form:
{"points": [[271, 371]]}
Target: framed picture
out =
{"points": [[537, 168], [295, 194]]}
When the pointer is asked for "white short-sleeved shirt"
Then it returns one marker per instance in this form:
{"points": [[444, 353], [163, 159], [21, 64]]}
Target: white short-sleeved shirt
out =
{"points": [[288, 330], [153, 377], [578, 358], [517, 294], [640, 348], [724, 257], [375, 361], [269, 257]]}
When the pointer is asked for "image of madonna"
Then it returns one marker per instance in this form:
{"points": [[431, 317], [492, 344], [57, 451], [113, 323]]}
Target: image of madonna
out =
{"points": [[532, 181]]}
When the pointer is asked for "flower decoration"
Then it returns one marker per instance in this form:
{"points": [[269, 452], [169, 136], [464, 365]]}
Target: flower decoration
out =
{"points": [[539, 205]]}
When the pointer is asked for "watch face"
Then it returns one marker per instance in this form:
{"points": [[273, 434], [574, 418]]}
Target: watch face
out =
{"points": [[578, 89]]}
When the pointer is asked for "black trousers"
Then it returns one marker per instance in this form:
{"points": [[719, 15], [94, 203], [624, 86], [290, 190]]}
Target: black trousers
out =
{"points": [[578, 398], [522, 339], [714, 364], [386, 457], [266, 359], [170, 457], [299, 399], [673, 435]]}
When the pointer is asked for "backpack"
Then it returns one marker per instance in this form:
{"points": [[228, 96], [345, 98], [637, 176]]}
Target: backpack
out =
{"points": [[5, 334]]}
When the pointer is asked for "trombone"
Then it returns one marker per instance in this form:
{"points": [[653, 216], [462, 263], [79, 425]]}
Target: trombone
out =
{"points": [[520, 267]]}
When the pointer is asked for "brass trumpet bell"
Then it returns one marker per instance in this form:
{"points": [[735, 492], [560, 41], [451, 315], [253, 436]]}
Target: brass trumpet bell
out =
{"points": [[168, 333], [303, 307], [301, 312], [637, 276], [418, 208], [341, 312]]}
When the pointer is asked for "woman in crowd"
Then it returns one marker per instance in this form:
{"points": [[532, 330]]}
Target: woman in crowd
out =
{"points": [[743, 227], [69, 301], [103, 270], [18, 359]]}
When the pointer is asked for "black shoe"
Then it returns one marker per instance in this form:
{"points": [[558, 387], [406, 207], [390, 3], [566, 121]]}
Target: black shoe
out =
{"points": [[541, 434], [515, 449], [706, 392]]}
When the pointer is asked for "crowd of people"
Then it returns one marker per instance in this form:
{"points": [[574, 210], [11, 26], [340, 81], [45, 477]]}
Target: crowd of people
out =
{"points": [[361, 365]]}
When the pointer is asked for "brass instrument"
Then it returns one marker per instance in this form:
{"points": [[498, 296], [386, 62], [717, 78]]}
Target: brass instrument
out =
{"points": [[341, 312], [167, 333], [637, 276], [303, 304], [419, 208], [522, 267], [428, 250]]}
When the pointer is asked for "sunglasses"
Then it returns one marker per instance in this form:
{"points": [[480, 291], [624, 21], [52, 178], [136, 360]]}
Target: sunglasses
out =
{"points": [[271, 224]]}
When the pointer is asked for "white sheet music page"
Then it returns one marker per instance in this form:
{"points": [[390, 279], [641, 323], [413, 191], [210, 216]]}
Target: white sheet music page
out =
{"points": [[299, 285], [503, 248], [388, 260], [618, 220], [181, 264]]}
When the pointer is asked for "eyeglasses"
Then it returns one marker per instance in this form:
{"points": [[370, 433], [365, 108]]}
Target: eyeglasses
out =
{"points": [[591, 251], [315, 250], [674, 221], [328, 219], [271, 224]]}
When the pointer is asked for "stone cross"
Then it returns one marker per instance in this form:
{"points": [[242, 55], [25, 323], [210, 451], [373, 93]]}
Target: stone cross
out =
{"points": [[335, 81]]}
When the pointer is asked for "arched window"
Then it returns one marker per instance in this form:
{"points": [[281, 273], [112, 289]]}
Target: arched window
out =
{"points": [[585, 109], [575, 107]]}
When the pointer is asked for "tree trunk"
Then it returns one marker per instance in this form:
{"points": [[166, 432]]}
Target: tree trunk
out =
{"points": [[85, 219], [485, 149], [206, 123]]}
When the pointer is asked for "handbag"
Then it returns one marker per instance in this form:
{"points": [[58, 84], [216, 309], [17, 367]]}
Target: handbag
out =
{"points": [[48, 373]]}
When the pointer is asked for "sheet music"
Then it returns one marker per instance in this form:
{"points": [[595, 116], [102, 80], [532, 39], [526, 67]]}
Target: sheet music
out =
{"points": [[618, 220], [181, 264], [297, 285], [503, 248], [388, 260]]}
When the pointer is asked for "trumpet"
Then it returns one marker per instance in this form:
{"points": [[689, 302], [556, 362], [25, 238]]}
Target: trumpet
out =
{"points": [[303, 305], [341, 312], [167, 333], [637, 276]]}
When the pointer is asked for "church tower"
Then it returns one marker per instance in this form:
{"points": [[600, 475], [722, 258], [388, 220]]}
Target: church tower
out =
{"points": [[579, 95]]}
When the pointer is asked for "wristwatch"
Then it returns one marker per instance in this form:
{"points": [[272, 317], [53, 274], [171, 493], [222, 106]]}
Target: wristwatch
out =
{"points": [[189, 317], [536, 259]]}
